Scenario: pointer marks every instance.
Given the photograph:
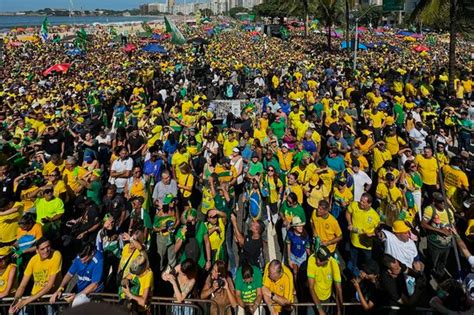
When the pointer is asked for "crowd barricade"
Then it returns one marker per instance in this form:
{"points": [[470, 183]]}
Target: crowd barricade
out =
{"points": [[163, 305], [166, 306], [308, 308]]}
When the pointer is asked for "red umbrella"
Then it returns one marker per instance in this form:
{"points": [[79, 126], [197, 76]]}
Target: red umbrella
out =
{"points": [[15, 44], [62, 68], [421, 48], [129, 48]]}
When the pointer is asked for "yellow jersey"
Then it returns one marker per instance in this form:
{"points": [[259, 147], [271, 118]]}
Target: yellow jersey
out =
{"points": [[363, 221], [41, 270], [326, 228], [282, 287], [324, 276], [428, 169]]}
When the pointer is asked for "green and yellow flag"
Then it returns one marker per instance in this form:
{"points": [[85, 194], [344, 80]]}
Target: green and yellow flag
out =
{"points": [[176, 36]]}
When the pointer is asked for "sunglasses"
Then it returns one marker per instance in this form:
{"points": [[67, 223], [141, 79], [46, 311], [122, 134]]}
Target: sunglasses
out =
{"points": [[213, 217], [271, 171]]}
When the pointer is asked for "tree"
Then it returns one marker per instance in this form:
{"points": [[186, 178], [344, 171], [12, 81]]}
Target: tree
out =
{"points": [[233, 11], [206, 12], [329, 11], [459, 13]]}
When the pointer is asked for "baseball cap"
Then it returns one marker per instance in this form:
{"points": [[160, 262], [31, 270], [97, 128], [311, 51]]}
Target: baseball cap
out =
{"points": [[323, 253]]}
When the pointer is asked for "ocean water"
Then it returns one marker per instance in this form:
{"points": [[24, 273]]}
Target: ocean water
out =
{"points": [[11, 21]]}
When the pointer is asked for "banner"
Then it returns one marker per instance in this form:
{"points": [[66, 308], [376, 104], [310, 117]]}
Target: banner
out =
{"points": [[221, 108]]}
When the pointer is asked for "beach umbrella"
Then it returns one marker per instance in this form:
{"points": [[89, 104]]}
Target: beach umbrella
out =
{"points": [[74, 52], [405, 33], [362, 29], [129, 48], [59, 68], [359, 45], [154, 48], [156, 36], [420, 48], [409, 39], [15, 44]]}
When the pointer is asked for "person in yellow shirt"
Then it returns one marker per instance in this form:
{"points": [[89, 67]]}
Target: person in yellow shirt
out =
{"points": [[185, 181], [295, 115], [394, 142], [7, 271], [391, 199], [428, 169], [179, 157], [45, 268], [380, 155], [229, 144], [278, 286], [356, 154], [71, 175], [55, 162], [285, 158], [364, 142], [323, 272], [455, 180], [301, 126], [325, 226], [362, 220]]}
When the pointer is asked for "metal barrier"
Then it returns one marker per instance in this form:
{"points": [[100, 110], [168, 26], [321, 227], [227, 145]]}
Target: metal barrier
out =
{"points": [[40, 306], [164, 305], [303, 308]]}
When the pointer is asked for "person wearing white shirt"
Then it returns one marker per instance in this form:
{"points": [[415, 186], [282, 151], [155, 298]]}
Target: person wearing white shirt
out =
{"points": [[418, 136], [398, 243], [362, 181], [121, 170]]}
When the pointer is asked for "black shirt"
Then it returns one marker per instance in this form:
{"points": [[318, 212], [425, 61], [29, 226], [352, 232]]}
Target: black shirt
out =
{"points": [[252, 250], [52, 144]]}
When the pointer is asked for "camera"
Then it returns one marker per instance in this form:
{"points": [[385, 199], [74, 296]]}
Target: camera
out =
{"points": [[190, 230], [220, 282]]}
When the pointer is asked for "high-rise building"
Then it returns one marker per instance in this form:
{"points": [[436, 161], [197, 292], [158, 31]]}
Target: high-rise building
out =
{"points": [[170, 5]]}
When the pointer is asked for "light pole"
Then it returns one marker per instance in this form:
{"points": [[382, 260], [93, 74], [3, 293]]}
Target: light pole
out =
{"points": [[356, 38]]}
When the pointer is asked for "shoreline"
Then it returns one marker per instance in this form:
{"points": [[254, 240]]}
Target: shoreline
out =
{"points": [[78, 20]]}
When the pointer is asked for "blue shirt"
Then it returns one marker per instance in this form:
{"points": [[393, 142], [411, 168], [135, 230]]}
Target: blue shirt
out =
{"points": [[336, 164], [153, 168], [88, 273]]}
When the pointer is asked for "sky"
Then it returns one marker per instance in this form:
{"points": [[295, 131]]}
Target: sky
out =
{"points": [[22, 5]]}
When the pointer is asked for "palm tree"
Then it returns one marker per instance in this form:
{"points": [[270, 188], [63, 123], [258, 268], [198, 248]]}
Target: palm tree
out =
{"points": [[329, 11], [298, 8], [459, 13]]}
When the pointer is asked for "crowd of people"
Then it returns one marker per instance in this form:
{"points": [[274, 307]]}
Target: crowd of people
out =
{"points": [[332, 185]]}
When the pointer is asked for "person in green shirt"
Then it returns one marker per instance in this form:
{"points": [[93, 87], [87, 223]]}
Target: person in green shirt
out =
{"points": [[318, 108], [271, 160], [291, 208], [248, 288], [91, 181], [255, 166], [278, 127], [192, 241]]}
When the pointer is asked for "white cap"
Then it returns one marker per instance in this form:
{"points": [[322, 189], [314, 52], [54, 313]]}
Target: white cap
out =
{"points": [[236, 150], [471, 261]]}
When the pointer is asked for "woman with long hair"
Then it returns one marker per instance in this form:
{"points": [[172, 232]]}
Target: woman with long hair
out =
{"points": [[183, 278], [220, 288]]}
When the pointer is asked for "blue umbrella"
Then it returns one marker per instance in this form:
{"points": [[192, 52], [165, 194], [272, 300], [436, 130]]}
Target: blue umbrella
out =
{"points": [[74, 52], [359, 46], [156, 36], [405, 33], [154, 48]]}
